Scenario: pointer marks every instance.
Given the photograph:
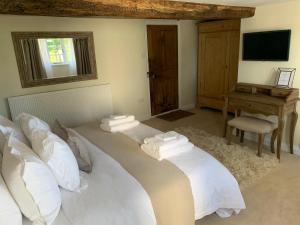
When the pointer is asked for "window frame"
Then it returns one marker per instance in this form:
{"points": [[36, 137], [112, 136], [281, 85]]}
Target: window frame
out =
{"points": [[57, 55]]}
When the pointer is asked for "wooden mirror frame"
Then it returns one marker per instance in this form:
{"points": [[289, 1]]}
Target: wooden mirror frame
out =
{"points": [[18, 36]]}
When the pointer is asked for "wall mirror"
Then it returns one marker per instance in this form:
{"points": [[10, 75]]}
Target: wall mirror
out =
{"points": [[46, 58]]}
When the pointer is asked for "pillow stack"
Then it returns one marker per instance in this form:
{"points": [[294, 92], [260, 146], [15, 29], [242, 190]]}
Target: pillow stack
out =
{"points": [[30, 182], [58, 156], [9, 211], [8, 128], [30, 123], [33, 176], [52, 150]]}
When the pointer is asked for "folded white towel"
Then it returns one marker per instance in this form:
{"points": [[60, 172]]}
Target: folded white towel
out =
{"points": [[169, 136], [117, 117], [159, 145], [113, 122], [160, 155], [120, 127]]}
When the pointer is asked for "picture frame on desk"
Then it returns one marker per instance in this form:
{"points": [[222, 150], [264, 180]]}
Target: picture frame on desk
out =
{"points": [[285, 77]]}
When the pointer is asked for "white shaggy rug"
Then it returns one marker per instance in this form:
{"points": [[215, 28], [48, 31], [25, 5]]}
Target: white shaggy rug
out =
{"points": [[241, 161]]}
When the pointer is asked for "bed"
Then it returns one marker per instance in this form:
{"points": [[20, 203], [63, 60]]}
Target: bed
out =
{"points": [[114, 193]]}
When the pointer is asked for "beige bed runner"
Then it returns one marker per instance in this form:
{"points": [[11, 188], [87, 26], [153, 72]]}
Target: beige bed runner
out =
{"points": [[168, 187]]}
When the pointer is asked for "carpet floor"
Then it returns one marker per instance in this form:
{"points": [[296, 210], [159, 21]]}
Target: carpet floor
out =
{"points": [[241, 161], [273, 199]]}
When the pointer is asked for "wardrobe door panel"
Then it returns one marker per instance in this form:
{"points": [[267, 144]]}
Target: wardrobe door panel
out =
{"points": [[213, 61], [218, 61], [233, 59]]}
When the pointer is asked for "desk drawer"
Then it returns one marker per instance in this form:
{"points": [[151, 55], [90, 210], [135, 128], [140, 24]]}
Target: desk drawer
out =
{"points": [[254, 107]]}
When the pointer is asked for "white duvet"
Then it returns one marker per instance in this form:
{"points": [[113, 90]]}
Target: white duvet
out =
{"points": [[114, 197], [213, 186]]}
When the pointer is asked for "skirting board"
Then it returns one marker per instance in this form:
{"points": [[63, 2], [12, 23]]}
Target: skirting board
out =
{"points": [[284, 147], [161, 114], [188, 107], [143, 117]]}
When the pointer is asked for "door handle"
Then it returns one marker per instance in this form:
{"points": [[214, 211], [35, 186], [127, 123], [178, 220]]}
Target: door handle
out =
{"points": [[151, 75]]}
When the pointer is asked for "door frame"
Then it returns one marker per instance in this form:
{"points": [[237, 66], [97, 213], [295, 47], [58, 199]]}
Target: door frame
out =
{"points": [[166, 23]]}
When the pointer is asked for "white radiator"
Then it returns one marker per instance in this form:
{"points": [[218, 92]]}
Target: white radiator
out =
{"points": [[73, 107]]}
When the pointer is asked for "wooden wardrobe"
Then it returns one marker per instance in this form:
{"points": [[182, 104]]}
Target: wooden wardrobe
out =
{"points": [[218, 61]]}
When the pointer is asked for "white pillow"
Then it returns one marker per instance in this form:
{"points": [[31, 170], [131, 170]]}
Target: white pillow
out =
{"points": [[9, 211], [78, 148], [30, 182], [59, 157], [2, 141], [7, 128], [30, 123]]}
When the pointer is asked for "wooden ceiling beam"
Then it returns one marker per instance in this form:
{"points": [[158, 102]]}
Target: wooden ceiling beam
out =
{"points": [[140, 9]]}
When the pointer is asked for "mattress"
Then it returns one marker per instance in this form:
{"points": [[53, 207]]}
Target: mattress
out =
{"points": [[108, 195], [114, 197]]}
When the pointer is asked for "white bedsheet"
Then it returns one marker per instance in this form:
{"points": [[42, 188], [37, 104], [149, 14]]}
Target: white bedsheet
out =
{"points": [[60, 220], [114, 197]]}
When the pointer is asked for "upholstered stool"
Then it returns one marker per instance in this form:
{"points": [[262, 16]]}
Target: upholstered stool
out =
{"points": [[255, 125]]}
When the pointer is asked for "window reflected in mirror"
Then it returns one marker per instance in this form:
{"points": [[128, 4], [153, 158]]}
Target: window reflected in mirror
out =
{"points": [[50, 58]]}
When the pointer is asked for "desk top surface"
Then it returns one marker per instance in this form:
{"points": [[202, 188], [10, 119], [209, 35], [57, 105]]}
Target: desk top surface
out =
{"points": [[266, 99], [265, 94]]}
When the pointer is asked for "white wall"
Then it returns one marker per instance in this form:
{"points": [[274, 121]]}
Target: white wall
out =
{"points": [[121, 54], [188, 64], [272, 17]]}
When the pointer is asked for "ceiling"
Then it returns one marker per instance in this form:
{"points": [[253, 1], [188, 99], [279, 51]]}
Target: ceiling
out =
{"points": [[238, 2]]}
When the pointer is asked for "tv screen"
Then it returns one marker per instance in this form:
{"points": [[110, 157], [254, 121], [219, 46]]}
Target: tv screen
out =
{"points": [[267, 46]]}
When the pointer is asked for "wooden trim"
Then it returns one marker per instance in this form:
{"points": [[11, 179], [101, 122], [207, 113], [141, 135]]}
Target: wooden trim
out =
{"points": [[29, 84], [216, 26], [210, 102], [146, 9], [17, 36]]}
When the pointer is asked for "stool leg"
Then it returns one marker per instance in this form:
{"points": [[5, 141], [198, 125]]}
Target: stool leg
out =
{"points": [[237, 114], [229, 135], [261, 138], [274, 135], [237, 132], [242, 136]]}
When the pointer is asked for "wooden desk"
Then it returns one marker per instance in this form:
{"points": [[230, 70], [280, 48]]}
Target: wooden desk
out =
{"points": [[267, 100]]}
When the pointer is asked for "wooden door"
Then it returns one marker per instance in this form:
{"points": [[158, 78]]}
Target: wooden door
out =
{"points": [[213, 64], [163, 67]]}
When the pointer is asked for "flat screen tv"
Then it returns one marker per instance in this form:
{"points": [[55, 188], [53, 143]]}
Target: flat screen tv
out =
{"points": [[267, 46]]}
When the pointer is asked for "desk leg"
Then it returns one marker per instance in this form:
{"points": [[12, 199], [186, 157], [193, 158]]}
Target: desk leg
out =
{"points": [[280, 133], [273, 138], [225, 116], [292, 130]]}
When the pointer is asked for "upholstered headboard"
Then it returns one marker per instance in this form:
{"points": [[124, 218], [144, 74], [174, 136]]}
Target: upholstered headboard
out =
{"points": [[73, 107]]}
